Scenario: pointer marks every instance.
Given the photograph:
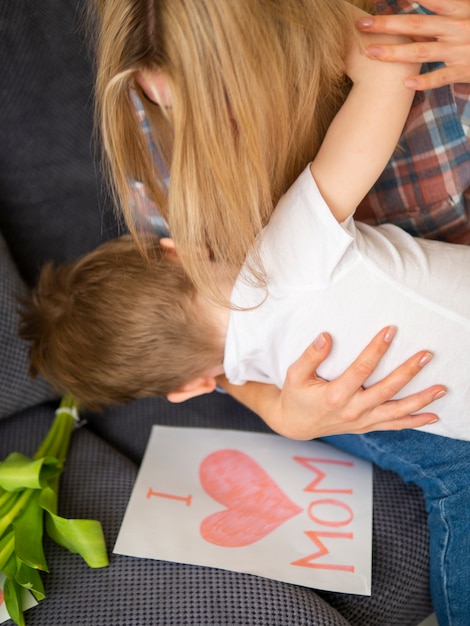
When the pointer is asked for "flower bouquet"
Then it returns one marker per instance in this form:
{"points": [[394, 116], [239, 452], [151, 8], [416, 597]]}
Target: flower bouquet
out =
{"points": [[29, 490]]}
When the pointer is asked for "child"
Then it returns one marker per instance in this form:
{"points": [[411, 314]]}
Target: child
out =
{"points": [[112, 326]]}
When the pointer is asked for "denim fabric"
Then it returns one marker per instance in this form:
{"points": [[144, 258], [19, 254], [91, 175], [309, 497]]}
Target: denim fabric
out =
{"points": [[441, 468]]}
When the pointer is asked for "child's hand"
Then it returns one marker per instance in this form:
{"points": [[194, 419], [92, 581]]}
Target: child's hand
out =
{"points": [[444, 37], [309, 407]]}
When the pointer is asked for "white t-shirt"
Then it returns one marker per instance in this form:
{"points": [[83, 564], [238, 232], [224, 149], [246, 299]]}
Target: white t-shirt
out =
{"points": [[351, 280]]}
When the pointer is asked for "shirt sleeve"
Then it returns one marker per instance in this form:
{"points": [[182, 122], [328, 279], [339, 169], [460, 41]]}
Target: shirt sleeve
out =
{"points": [[303, 244]]}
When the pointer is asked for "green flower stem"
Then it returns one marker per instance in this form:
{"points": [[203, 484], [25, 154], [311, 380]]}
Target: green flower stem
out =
{"points": [[7, 547], [64, 424], [6, 500], [57, 439], [48, 441], [15, 510], [62, 428]]}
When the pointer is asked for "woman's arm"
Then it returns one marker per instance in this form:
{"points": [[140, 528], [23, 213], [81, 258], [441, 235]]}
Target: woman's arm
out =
{"points": [[309, 406], [364, 133], [444, 37]]}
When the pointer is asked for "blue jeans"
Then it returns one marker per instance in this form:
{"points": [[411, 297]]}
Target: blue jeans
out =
{"points": [[441, 467]]}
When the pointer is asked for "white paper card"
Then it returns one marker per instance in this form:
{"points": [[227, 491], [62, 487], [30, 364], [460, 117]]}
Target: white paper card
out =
{"points": [[28, 601], [295, 511]]}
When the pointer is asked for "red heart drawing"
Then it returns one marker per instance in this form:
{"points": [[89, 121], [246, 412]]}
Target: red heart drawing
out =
{"points": [[255, 504]]}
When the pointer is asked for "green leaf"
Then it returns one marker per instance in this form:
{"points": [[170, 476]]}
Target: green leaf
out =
{"points": [[48, 498], [7, 499], [13, 593], [80, 536], [28, 527], [15, 510], [30, 579], [19, 472], [7, 547]]}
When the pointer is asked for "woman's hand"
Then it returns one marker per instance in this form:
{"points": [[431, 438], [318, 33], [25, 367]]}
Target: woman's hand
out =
{"points": [[444, 37], [309, 406]]}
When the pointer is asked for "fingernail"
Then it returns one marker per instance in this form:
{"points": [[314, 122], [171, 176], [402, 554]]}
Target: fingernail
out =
{"points": [[425, 359], [411, 83], [439, 394], [433, 421], [365, 22], [390, 334], [320, 342], [374, 52]]}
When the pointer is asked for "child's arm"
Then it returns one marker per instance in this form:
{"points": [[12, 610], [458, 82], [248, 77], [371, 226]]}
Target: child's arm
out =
{"points": [[365, 131]]}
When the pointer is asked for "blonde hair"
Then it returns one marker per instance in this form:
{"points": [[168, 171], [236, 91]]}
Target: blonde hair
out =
{"points": [[115, 326], [254, 84]]}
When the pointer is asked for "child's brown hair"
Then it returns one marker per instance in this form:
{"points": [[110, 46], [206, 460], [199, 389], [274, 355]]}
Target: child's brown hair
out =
{"points": [[114, 325]]}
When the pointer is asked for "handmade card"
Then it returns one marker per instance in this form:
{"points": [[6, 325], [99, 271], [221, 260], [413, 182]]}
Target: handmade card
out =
{"points": [[295, 511]]}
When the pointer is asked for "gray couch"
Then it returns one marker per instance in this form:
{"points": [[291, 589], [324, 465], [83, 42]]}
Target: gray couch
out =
{"points": [[52, 206]]}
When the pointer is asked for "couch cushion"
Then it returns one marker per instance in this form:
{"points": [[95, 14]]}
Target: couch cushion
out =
{"points": [[17, 389], [52, 205]]}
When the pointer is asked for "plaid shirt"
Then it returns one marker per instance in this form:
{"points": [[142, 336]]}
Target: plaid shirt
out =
{"points": [[425, 186]]}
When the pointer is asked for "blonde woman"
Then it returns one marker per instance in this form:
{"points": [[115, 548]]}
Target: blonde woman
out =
{"points": [[238, 96]]}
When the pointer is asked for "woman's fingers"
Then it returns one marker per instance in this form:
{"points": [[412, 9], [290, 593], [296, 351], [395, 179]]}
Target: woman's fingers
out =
{"points": [[375, 403], [417, 27], [450, 21], [421, 52], [394, 382], [304, 369], [308, 406], [398, 414], [456, 58], [343, 388], [347, 391], [444, 37], [408, 421], [438, 78]]}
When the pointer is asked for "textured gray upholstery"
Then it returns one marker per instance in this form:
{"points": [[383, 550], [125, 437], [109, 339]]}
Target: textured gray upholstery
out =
{"points": [[17, 389], [52, 207]]}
